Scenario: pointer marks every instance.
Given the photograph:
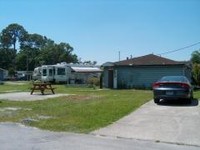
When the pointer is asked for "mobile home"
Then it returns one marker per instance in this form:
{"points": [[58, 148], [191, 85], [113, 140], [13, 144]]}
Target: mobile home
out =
{"points": [[67, 73]]}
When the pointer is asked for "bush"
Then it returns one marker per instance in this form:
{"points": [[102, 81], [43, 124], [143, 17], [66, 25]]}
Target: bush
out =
{"points": [[196, 73], [93, 81]]}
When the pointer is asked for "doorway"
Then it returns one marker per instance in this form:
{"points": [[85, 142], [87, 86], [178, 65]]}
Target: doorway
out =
{"points": [[110, 78]]}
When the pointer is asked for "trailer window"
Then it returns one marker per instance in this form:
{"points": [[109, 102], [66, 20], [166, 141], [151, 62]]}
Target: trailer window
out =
{"points": [[50, 72], [44, 72], [61, 71]]}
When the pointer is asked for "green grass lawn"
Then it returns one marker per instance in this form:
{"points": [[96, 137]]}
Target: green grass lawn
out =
{"points": [[197, 94], [84, 111], [15, 87]]}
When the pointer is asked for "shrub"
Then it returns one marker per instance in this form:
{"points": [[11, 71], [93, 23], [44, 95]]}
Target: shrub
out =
{"points": [[93, 81]]}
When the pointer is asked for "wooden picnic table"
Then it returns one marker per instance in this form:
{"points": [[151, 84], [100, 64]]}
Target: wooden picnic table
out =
{"points": [[42, 87]]}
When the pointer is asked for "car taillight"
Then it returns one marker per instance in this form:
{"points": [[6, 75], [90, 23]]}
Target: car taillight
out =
{"points": [[185, 85], [156, 85]]}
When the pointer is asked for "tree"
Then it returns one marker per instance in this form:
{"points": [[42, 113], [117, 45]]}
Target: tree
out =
{"points": [[196, 73], [7, 57], [9, 37], [55, 53], [33, 41], [11, 34], [196, 66], [89, 62], [196, 57], [30, 49], [34, 49], [67, 55]]}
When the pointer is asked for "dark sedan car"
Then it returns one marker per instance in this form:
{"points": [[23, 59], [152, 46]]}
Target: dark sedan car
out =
{"points": [[172, 87]]}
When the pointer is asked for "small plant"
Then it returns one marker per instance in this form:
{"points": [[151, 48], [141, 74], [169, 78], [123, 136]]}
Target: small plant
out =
{"points": [[93, 82]]}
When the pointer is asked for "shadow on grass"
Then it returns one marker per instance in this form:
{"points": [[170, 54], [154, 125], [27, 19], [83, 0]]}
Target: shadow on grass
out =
{"points": [[180, 103]]}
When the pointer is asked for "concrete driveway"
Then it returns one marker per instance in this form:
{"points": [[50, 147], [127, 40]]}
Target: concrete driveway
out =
{"points": [[168, 122]]}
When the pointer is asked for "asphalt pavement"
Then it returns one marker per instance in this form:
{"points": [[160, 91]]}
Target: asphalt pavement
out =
{"points": [[19, 137]]}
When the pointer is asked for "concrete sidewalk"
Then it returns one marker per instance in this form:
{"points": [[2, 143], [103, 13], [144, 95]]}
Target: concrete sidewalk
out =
{"points": [[25, 96], [177, 124]]}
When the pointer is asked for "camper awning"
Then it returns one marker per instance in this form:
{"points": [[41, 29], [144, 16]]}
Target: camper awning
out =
{"points": [[86, 69]]}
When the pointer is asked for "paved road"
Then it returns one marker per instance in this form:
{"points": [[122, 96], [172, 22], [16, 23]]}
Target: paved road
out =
{"points": [[172, 123], [19, 137]]}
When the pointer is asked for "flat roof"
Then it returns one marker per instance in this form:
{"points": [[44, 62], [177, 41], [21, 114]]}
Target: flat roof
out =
{"points": [[86, 69]]}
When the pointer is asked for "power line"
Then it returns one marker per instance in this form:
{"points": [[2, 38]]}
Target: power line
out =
{"points": [[172, 51]]}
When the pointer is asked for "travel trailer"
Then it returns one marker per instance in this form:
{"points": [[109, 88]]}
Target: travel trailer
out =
{"points": [[37, 73], [66, 73]]}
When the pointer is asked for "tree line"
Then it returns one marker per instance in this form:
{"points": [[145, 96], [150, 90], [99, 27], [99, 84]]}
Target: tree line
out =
{"points": [[21, 50]]}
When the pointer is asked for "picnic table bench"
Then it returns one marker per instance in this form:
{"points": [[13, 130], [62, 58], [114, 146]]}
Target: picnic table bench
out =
{"points": [[42, 87]]}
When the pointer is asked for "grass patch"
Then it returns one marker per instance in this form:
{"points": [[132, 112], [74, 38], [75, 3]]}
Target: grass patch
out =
{"points": [[15, 87], [197, 94], [87, 110]]}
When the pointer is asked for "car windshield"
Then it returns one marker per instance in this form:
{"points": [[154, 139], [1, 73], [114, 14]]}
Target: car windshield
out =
{"points": [[173, 79]]}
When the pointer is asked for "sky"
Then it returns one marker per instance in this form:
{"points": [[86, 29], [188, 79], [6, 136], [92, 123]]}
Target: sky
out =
{"points": [[111, 30]]}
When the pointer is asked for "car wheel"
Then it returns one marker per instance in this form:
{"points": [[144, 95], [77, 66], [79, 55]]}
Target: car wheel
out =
{"points": [[156, 100], [191, 98]]}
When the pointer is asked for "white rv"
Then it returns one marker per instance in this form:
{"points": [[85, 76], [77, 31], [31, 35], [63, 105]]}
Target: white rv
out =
{"points": [[37, 73], [66, 73], [55, 73]]}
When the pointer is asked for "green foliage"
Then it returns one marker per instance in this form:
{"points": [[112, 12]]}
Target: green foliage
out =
{"points": [[93, 81], [7, 57], [196, 73], [196, 66], [11, 34], [197, 94], [196, 57], [34, 49], [54, 53], [12, 86], [11, 71]]}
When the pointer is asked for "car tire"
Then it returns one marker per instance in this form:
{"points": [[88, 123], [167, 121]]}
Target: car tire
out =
{"points": [[189, 101], [156, 100]]}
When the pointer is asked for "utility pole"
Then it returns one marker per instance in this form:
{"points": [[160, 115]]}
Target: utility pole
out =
{"points": [[27, 63], [119, 55]]}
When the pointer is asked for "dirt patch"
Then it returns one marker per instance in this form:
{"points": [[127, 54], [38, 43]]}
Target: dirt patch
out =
{"points": [[15, 83], [83, 97], [9, 111]]}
